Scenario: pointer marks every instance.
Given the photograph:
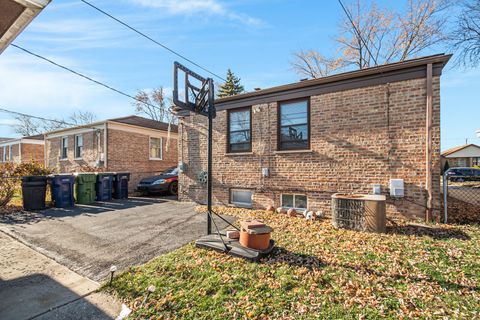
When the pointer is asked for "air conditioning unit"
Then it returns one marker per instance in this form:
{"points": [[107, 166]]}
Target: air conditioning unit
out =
{"points": [[361, 212], [397, 189]]}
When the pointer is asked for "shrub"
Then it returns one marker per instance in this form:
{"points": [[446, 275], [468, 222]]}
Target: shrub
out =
{"points": [[10, 178], [8, 183], [31, 169]]}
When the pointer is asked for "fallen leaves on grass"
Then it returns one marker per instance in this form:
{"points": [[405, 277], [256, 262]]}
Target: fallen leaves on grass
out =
{"points": [[316, 272]]}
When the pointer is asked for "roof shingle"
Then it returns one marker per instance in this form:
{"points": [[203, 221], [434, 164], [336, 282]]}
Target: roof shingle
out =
{"points": [[146, 123]]}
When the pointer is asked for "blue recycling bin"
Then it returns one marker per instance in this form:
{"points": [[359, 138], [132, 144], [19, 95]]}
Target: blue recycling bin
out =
{"points": [[62, 190], [104, 186], [120, 185]]}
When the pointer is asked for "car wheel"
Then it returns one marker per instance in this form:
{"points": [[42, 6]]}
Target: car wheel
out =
{"points": [[173, 188]]}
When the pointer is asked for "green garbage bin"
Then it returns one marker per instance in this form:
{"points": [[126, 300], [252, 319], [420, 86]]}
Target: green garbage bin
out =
{"points": [[85, 188]]}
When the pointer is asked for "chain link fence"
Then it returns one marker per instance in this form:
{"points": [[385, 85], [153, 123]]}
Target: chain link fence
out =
{"points": [[461, 199]]}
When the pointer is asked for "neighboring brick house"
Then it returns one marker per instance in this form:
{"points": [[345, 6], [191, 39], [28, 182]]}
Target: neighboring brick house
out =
{"points": [[295, 145], [24, 149], [463, 156], [132, 144]]}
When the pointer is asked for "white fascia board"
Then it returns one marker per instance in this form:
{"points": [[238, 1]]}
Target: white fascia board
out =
{"points": [[31, 9], [21, 140], [32, 141], [37, 3], [9, 142], [154, 133], [73, 131]]}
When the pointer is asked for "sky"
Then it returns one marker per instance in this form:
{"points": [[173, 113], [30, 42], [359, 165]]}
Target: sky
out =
{"points": [[254, 38]]}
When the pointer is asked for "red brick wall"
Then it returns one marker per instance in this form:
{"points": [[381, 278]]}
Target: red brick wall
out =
{"points": [[358, 137], [33, 152], [92, 149], [129, 151]]}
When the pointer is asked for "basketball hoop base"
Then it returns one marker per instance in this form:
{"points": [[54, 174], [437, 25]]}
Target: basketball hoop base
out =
{"points": [[233, 247]]}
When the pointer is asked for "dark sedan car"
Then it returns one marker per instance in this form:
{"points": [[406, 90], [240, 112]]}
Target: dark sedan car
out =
{"points": [[166, 181], [463, 174]]}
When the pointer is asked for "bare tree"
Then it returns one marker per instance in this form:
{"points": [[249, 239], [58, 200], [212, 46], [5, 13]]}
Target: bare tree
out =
{"points": [[153, 105], [376, 36], [370, 40], [312, 64], [466, 34], [28, 126], [423, 26], [82, 117]]}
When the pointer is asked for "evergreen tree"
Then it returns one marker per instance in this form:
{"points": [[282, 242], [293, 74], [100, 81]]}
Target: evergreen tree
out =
{"points": [[231, 87], [446, 166]]}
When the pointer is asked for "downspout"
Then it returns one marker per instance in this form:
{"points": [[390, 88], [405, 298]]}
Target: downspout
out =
{"points": [[429, 173], [45, 161], [105, 138]]}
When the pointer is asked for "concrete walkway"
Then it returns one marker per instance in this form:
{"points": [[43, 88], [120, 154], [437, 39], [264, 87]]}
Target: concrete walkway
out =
{"points": [[34, 286]]}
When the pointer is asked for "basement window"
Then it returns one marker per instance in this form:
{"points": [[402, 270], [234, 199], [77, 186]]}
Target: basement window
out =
{"points": [[241, 197], [296, 201]]}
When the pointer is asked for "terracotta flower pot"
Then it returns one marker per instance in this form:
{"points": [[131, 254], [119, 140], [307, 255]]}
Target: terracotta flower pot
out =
{"points": [[255, 241]]}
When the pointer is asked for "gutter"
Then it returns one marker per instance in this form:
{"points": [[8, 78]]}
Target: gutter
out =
{"points": [[439, 60]]}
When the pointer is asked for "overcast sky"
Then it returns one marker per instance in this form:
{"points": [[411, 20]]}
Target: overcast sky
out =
{"points": [[254, 38]]}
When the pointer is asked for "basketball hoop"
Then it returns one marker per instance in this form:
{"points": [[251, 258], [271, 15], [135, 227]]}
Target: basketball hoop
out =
{"points": [[197, 94]]}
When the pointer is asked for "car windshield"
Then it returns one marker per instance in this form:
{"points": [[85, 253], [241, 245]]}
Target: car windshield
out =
{"points": [[171, 172]]}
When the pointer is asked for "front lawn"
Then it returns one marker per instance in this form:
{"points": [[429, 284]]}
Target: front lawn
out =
{"points": [[317, 272]]}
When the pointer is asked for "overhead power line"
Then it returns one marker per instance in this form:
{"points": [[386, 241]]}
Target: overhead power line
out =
{"points": [[35, 117], [349, 16], [83, 76], [152, 40]]}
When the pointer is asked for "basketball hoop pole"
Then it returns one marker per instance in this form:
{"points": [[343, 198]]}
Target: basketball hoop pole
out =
{"points": [[211, 98], [203, 96]]}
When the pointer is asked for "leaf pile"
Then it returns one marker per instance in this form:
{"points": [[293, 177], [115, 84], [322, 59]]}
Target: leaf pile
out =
{"points": [[315, 272]]}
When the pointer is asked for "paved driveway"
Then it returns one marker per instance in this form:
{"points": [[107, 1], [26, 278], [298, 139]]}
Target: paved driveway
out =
{"points": [[89, 239]]}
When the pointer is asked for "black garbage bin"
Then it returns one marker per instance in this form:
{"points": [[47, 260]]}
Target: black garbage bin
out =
{"points": [[62, 191], [120, 185], [34, 189]]}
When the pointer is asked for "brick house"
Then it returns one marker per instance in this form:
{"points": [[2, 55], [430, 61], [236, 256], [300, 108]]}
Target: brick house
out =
{"points": [[297, 144], [463, 156], [132, 144], [24, 149]]}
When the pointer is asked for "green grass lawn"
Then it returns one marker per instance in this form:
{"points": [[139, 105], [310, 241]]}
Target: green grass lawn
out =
{"points": [[317, 272]]}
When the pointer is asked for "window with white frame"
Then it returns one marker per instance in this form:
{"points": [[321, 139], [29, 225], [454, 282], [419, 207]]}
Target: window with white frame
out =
{"points": [[155, 148], [64, 154], [296, 201], [241, 197], [78, 146]]}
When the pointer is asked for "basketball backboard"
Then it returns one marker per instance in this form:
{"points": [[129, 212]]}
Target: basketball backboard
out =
{"points": [[192, 92]]}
